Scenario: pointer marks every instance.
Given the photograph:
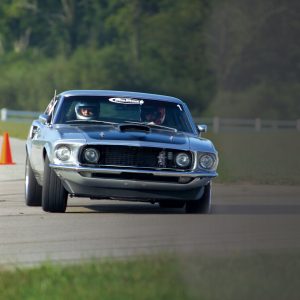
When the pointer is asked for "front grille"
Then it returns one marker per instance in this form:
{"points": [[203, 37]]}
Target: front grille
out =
{"points": [[135, 157], [130, 156]]}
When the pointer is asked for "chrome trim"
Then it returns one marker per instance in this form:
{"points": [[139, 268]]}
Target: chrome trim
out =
{"points": [[202, 128], [119, 171], [193, 155]]}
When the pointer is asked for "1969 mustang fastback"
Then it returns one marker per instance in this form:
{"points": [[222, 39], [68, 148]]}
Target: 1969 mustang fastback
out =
{"points": [[119, 145]]}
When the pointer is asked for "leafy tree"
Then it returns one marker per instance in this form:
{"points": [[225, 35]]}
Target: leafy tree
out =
{"points": [[241, 53], [253, 47]]}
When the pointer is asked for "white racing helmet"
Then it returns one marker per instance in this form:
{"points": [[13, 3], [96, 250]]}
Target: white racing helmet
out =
{"points": [[86, 111]]}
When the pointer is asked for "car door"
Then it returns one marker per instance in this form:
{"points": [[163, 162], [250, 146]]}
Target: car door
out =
{"points": [[41, 136]]}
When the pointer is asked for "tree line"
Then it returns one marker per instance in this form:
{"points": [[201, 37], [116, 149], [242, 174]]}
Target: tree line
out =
{"points": [[231, 58]]}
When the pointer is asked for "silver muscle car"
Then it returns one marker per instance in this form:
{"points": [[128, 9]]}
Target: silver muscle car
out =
{"points": [[118, 145]]}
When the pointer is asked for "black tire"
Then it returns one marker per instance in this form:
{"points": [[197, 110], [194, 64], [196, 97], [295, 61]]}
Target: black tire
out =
{"points": [[54, 196], [202, 205], [33, 191], [171, 204]]}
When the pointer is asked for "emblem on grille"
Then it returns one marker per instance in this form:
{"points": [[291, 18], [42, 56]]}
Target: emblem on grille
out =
{"points": [[162, 159]]}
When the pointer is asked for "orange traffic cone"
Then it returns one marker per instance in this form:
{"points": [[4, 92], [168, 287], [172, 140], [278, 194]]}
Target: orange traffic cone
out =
{"points": [[6, 158]]}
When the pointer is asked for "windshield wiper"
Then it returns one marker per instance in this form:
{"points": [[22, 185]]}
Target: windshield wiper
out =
{"points": [[152, 125], [92, 121]]}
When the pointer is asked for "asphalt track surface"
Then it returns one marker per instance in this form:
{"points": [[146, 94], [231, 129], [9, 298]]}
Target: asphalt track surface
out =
{"points": [[245, 218]]}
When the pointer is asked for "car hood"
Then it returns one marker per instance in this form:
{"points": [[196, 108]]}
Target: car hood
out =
{"points": [[118, 135]]}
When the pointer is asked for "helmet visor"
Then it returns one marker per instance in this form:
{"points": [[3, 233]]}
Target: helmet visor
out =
{"points": [[154, 114], [86, 111]]}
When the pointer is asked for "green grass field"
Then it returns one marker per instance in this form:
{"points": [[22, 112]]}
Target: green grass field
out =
{"points": [[17, 130], [261, 276], [259, 158]]}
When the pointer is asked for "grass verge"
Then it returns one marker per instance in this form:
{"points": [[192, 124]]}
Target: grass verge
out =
{"points": [[260, 276], [17, 130], [142, 278], [247, 277], [258, 157]]}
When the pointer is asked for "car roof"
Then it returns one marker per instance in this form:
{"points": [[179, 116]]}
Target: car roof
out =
{"points": [[125, 94]]}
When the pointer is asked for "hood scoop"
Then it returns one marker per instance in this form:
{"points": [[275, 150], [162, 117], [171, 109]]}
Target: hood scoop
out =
{"points": [[134, 127]]}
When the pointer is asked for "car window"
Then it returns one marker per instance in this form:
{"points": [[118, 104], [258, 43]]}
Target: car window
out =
{"points": [[52, 106], [120, 110]]}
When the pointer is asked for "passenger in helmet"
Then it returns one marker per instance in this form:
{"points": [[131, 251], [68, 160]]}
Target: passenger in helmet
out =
{"points": [[153, 114], [86, 111]]}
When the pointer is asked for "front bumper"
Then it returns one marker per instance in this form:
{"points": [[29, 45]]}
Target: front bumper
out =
{"points": [[110, 183]]}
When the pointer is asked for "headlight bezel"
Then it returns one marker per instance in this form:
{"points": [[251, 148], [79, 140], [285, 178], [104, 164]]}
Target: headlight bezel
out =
{"points": [[88, 161], [205, 165], [63, 153], [188, 162]]}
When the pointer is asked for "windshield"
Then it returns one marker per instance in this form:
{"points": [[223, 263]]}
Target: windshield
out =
{"points": [[106, 110]]}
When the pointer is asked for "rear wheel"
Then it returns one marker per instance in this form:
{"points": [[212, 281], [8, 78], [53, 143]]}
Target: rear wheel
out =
{"points": [[54, 196], [33, 191], [202, 205]]}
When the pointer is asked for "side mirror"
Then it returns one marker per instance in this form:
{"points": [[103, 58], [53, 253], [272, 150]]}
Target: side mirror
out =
{"points": [[201, 129], [44, 119]]}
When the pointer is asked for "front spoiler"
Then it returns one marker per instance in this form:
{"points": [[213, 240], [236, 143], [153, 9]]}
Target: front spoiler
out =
{"points": [[79, 182]]}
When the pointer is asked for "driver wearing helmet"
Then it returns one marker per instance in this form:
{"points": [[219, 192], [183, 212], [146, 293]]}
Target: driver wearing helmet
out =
{"points": [[152, 114], [86, 111]]}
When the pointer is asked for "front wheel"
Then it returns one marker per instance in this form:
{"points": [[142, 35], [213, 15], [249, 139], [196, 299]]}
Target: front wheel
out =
{"points": [[54, 197], [202, 205]]}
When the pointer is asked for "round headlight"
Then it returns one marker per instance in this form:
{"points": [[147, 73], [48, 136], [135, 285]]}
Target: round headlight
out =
{"points": [[63, 153], [182, 160], [91, 155], [207, 161]]}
